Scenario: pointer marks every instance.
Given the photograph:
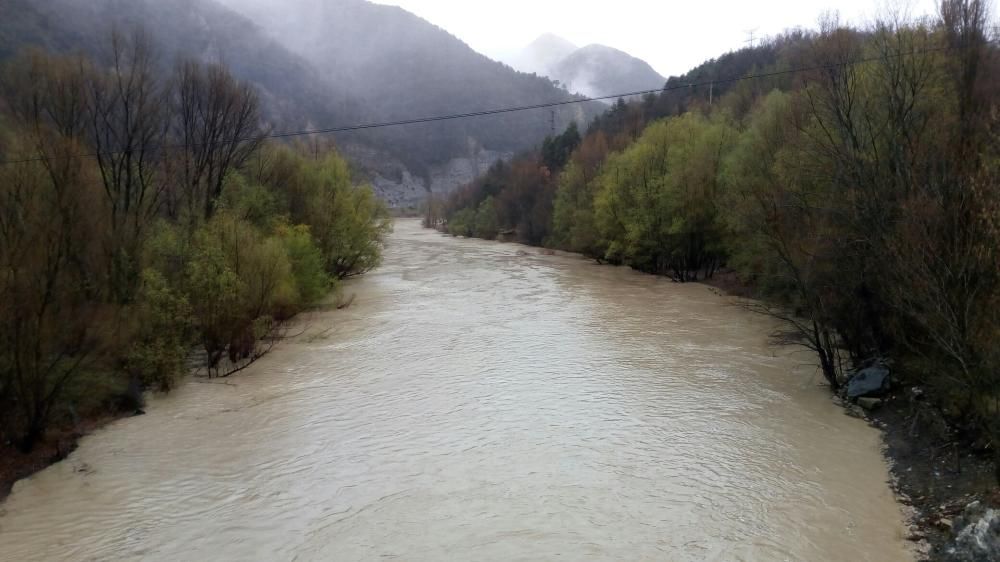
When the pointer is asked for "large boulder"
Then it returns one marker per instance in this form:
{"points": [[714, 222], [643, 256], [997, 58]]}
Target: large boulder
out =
{"points": [[869, 404], [977, 535], [868, 382]]}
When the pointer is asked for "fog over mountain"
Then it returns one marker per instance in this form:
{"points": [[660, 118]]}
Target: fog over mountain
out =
{"points": [[598, 70], [593, 71], [403, 67], [324, 64], [294, 94], [542, 55]]}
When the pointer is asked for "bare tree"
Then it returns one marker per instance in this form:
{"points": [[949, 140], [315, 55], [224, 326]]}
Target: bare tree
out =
{"points": [[46, 95], [218, 121], [128, 124], [50, 210], [965, 26]]}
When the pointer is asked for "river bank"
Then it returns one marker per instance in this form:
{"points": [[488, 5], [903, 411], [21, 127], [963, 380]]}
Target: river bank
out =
{"points": [[62, 439], [58, 444], [946, 484], [949, 485], [935, 474]]}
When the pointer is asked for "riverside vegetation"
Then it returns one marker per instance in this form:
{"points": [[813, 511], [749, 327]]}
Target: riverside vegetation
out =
{"points": [[854, 190], [133, 232]]}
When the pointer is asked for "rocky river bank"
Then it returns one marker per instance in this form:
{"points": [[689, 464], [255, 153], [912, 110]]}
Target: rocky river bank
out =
{"points": [[947, 486]]}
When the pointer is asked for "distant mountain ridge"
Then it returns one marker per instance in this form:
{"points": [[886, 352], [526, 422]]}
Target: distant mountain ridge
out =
{"points": [[594, 70]]}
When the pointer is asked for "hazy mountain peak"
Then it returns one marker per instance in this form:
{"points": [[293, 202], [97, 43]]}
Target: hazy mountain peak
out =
{"points": [[542, 54], [594, 70], [598, 70], [551, 45], [603, 50], [553, 39]]}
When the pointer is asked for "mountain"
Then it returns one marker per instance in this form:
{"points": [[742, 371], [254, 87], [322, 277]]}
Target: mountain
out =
{"points": [[594, 70], [293, 93], [542, 55], [403, 67], [325, 64], [598, 70]]}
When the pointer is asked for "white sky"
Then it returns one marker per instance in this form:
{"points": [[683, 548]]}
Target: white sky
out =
{"points": [[672, 36]]}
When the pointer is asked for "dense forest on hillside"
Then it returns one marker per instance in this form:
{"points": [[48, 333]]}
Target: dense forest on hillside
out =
{"points": [[858, 199], [132, 230]]}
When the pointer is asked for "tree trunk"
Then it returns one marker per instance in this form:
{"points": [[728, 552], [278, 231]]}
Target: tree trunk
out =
{"points": [[31, 436]]}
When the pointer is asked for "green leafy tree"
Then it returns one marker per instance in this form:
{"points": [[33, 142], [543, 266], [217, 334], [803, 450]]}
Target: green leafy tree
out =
{"points": [[462, 223], [657, 207], [486, 223], [311, 279], [348, 222], [240, 284], [573, 222], [557, 150], [162, 339]]}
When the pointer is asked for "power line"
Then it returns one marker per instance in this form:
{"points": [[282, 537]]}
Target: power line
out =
{"points": [[577, 100]]}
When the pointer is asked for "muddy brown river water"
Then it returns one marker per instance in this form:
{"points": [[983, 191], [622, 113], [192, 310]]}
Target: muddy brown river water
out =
{"points": [[478, 404]]}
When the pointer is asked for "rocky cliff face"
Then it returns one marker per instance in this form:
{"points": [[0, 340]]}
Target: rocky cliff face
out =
{"points": [[402, 189], [460, 171]]}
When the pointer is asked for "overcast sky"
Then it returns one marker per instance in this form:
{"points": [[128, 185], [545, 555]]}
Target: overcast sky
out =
{"points": [[672, 36]]}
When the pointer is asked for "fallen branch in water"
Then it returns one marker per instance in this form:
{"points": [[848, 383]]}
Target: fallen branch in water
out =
{"points": [[224, 383], [275, 334]]}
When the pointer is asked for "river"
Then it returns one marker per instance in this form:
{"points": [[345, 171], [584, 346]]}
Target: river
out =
{"points": [[481, 401]]}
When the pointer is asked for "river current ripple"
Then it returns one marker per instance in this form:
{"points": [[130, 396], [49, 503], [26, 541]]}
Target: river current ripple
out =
{"points": [[480, 401]]}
